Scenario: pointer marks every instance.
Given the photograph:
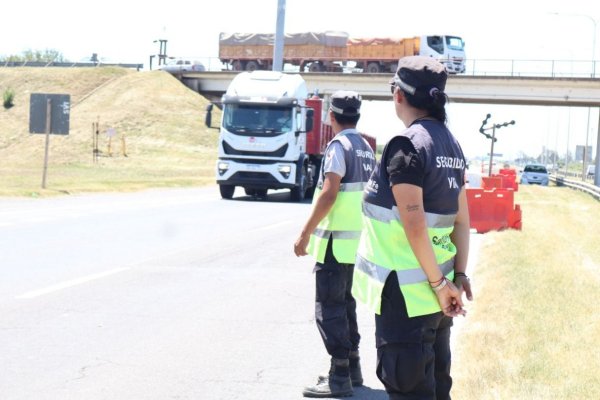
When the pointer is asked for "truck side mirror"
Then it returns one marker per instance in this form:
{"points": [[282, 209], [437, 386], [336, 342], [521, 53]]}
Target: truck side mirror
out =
{"points": [[310, 119], [208, 117]]}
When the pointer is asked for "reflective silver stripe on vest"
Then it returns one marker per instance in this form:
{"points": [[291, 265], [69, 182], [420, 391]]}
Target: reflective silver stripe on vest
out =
{"points": [[353, 186], [405, 277], [324, 233], [386, 215]]}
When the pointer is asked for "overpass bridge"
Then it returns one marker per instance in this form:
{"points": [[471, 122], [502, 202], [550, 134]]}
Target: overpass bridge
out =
{"points": [[576, 92], [541, 91]]}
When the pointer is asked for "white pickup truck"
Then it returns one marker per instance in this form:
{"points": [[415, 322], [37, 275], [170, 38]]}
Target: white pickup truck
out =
{"points": [[182, 65]]}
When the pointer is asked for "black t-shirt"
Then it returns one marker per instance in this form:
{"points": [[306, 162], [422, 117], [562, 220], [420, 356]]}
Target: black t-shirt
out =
{"points": [[403, 163]]}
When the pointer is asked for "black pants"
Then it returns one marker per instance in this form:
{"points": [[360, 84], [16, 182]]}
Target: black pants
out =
{"points": [[335, 308], [413, 354]]}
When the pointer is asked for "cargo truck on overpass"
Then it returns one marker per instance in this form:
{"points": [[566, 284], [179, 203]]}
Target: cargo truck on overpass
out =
{"points": [[272, 136], [332, 51]]}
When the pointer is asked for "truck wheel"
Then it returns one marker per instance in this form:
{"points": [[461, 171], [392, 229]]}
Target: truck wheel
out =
{"points": [[373, 68], [298, 193], [261, 193], [315, 67], [237, 65], [252, 66], [226, 191]]}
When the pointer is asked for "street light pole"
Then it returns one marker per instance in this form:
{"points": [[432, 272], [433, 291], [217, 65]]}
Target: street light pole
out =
{"points": [[493, 138], [596, 177]]}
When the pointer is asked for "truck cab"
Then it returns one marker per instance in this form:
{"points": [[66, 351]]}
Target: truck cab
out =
{"points": [[262, 141], [449, 50]]}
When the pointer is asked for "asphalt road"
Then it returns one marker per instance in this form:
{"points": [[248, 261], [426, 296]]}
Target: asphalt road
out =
{"points": [[170, 294]]}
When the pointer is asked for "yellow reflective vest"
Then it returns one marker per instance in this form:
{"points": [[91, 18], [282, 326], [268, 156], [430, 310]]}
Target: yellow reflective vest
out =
{"points": [[384, 247], [343, 223]]}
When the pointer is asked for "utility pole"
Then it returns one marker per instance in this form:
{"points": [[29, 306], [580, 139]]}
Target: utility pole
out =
{"points": [[279, 37]]}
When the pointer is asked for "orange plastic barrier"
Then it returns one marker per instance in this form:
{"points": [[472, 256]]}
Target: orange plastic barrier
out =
{"points": [[508, 171], [492, 182], [500, 181], [493, 210]]}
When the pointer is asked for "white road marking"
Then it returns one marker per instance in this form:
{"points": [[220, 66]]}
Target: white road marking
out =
{"points": [[73, 282]]}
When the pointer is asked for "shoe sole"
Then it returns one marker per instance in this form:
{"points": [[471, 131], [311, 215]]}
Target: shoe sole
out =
{"points": [[326, 395]]}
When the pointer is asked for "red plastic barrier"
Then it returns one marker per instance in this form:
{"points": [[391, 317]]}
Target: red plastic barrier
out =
{"points": [[492, 182], [500, 181], [493, 210], [510, 178], [508, 171]]}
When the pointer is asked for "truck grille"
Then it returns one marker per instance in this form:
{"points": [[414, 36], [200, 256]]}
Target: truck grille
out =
{"points": [[280, 152]]}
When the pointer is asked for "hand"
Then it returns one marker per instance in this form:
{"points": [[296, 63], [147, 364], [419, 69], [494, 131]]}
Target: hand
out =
{"points": [[463, 284], [449, 298], [300, 245]]}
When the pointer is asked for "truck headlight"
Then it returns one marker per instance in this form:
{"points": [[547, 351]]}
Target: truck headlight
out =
{"points": [[222, 167], [284, 170]]}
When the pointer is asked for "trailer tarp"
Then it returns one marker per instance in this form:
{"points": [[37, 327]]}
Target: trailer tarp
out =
{"points": [[328, 38]]}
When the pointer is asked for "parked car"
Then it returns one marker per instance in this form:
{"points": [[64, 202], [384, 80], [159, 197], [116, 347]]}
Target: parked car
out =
{"points": [[181, 65], [535, 174], [591, 170]]}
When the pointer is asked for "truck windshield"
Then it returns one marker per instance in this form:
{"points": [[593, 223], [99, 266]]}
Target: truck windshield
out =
{"points": [[257, 120], [455, 43]]}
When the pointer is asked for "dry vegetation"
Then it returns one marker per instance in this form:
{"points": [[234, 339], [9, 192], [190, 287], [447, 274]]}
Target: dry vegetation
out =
{"points": [[160, 121], [533, 329]]}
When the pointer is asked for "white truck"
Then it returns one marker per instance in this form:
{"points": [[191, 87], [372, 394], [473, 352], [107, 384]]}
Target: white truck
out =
{"points": [[332, 50], [271, 136]]}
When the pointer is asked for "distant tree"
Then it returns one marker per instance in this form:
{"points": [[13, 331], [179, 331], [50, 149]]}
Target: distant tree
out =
{"points": [[47, 55]]}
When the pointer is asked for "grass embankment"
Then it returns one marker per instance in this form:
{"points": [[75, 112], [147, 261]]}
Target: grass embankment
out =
{"points": [[533, 331], [159, 121]]}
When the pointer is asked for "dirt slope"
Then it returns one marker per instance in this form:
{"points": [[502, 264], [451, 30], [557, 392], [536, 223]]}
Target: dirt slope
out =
{"points": [[159, 121]]}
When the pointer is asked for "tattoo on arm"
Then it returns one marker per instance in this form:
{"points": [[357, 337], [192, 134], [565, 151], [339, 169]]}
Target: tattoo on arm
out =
{"points": [[412, 207]]}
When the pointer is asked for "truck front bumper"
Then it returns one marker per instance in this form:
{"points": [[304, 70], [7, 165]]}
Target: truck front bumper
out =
{"points": [[278, 175]]}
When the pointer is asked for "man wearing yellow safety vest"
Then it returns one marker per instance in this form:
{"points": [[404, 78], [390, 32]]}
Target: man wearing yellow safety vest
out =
{"points": [[412, 256], [331, 235]]}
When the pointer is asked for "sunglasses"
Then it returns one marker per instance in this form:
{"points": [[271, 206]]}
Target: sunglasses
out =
{"points": [[393, 86]]}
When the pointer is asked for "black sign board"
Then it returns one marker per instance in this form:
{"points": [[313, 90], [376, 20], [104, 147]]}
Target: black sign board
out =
{"points": [[60, 106]]}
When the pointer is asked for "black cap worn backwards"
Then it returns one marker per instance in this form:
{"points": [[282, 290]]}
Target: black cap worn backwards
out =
{"points": [[420, 75], [346, 102]]}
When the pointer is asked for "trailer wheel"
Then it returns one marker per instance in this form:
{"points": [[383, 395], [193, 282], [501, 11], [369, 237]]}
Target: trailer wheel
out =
{"points": [[237, 65], [315, 66], [252, 66], [298, 193], [226, 191], [373, 68]]}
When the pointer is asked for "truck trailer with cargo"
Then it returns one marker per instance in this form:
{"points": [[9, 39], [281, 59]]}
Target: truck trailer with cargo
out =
{"points": [[272, 136], [334, 51]]}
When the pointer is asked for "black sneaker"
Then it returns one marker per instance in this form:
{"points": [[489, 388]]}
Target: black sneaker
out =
{"points": [[331, 386]]}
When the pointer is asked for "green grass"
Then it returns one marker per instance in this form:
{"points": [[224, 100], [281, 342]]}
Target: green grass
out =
{"points": [[534, 329], [161, 121]]}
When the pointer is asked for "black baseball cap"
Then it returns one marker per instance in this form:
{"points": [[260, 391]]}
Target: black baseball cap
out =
{"points": [[346, 102], [419, 75]]}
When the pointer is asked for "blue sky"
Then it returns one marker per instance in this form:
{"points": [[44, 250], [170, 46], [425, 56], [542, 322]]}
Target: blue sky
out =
{"points": [[124, 31]]}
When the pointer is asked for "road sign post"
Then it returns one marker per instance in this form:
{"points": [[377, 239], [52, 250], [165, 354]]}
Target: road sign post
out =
{"points": [[49, 114]]}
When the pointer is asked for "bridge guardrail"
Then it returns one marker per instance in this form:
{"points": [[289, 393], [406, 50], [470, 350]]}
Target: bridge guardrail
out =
{"points": [[585, 187]]}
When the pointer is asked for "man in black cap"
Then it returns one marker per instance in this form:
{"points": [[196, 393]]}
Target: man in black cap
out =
{"points": [[411, 262], [331, 235]]}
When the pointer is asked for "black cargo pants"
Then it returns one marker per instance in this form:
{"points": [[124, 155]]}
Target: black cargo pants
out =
{"points": [[335, 308], [413, 354]]}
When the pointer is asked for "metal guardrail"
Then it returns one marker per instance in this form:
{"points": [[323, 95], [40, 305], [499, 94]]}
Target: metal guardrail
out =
{"points": [[67, 64], [592, 190], [474, 67]]}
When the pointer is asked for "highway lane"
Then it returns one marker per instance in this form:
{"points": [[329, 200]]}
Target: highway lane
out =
{"points": [[163, 294]]}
